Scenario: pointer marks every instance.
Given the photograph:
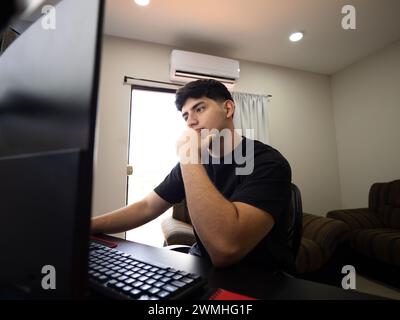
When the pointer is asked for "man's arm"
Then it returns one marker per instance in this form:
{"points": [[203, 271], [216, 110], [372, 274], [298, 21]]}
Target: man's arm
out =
{"points": [[131, 216], [228, 230]]}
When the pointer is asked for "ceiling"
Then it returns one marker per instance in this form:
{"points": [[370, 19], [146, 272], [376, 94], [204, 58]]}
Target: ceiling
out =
{"points": [[258, 30]]}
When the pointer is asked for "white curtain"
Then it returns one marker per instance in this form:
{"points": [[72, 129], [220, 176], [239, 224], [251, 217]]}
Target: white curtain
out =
{"points": [[251, 113]]}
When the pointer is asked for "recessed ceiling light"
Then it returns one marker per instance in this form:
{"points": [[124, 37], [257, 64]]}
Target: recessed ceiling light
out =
{"points": [[296, 36], [142, 2]]}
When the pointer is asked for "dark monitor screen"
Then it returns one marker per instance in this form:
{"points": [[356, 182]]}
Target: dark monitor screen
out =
{"points": [[48, 100]]}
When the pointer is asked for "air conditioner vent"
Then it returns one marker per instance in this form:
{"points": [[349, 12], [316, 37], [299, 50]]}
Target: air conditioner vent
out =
{"points": [[189, 66]]}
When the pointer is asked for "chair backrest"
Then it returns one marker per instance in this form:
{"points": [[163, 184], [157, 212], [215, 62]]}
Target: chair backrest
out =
{"points": [[180, 212], [295, 230]]}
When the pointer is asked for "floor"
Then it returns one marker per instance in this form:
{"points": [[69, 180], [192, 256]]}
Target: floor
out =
{"points": [[374, 287]]}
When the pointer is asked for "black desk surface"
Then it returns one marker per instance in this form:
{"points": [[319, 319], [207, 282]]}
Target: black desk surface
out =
{"points": [[243, 279]]}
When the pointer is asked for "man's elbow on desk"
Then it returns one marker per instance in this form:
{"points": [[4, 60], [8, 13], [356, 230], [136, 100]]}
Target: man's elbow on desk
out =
{"points": [[226, 257]]}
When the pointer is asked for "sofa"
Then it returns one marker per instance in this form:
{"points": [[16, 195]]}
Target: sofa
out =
{"points": [[372, 242]]}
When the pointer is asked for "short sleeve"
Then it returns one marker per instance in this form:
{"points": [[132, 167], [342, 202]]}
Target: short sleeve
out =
{"points": [[172, 189], [267, 188]]}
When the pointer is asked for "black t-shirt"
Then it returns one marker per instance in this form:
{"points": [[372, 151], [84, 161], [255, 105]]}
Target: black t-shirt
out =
{"points": [[266, 187]]}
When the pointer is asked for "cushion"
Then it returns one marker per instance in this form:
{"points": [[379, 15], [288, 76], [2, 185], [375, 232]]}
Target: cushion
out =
{"points": [[380, 243], [310, 257], [327, 232], [360, 218], [391, 217]]}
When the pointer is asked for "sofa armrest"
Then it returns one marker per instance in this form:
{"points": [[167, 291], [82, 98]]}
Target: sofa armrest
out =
{"points": [[320, 238], [361, 218], [326, 232], [309, 258]]}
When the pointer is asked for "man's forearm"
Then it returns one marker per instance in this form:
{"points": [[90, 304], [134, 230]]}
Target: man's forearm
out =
{"points": [[121, 220], [214, 218]]}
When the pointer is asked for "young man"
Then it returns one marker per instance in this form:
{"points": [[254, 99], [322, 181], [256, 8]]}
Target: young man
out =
{"points": [[236, 215]]}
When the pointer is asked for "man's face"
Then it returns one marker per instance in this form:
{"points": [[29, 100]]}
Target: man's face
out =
{"points": [[204, 113]]}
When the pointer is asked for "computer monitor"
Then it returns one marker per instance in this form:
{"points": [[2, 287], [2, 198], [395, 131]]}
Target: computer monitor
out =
{"points": [[48, 99]]}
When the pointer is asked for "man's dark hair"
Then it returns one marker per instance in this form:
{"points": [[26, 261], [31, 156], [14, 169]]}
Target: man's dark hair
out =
{"points": [[208, 88]]}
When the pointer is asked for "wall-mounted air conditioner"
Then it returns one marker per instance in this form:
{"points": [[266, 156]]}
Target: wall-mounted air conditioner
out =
{"points": [[189, 66]]}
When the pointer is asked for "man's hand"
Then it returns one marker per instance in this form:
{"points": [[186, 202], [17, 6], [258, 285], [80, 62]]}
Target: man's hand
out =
{"points": [[192, 144]]}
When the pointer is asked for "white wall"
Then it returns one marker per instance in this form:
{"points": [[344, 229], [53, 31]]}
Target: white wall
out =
{"points": [[366, 103], [300, 121], [301, 128]]}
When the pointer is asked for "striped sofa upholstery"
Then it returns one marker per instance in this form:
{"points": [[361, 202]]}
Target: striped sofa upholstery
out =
{"points": [[375, 231], [320, 237]]}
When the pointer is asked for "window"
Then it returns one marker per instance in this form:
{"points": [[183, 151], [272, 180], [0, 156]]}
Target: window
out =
{"points": [[155, 125]]}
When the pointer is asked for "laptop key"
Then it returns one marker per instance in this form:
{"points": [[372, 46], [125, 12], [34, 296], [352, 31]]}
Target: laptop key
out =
{"points": [[158, 284], [115, 275], [135, 293], [194, 276], [154, 290], [187, 280], [137, 284], [127, 289], [165, 279], [102, 278], [178, 283], [170, 288], [163, 294], [143, 278], [129, 281], [145, 287]]}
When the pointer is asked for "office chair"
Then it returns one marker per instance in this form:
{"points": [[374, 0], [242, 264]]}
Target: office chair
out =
{"points": [[295, 228], [178, 229]]}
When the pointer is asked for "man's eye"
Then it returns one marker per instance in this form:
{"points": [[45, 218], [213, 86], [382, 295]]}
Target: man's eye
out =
{"points": [[199, 109]]}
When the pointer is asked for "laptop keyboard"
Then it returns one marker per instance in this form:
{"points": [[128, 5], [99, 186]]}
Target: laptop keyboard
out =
{"points": [[120, 275]]}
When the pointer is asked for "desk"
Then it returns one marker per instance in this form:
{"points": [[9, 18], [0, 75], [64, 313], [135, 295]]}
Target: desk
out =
{"points": [[240, 278]]}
